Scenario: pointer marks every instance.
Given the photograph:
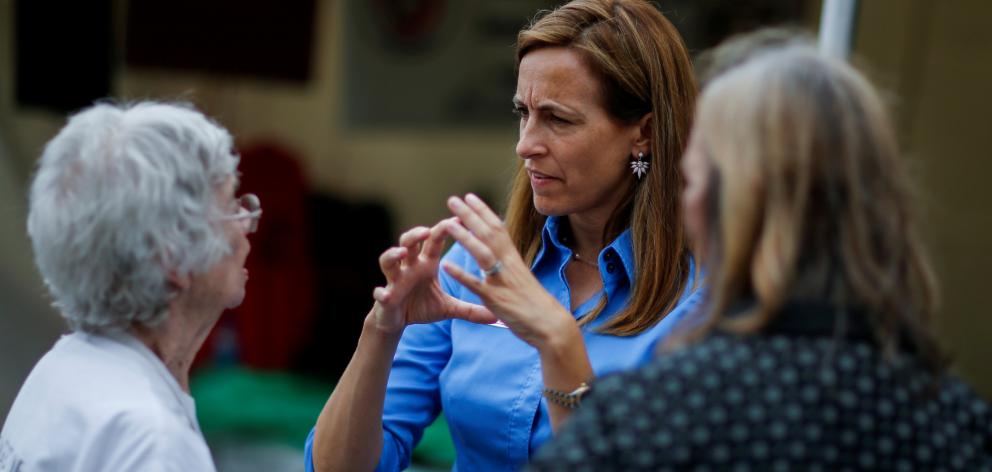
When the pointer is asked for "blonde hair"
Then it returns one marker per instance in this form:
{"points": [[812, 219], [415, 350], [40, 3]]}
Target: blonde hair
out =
{"points": [[643, 66], [810, 199], [737, 49]]}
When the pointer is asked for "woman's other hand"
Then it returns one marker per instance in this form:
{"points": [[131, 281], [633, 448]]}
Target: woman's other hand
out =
{"points": [[412, 293], [509, 290]]}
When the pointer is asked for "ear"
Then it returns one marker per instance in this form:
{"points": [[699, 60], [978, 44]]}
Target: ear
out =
{"points": [[642, 135], [180, 282]]}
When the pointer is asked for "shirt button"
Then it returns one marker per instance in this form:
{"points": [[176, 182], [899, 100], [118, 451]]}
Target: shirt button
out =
{"points": [[608, 256], [611, 267]]}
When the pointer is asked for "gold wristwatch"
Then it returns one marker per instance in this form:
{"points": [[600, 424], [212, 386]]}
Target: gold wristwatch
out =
{"points": [[569, 400]]}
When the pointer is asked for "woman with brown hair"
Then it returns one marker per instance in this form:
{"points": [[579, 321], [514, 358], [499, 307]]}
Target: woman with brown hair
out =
{"points": [[816, 351], [589, 270]]}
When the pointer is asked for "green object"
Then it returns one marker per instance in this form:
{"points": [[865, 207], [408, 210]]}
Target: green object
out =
{"points": [[267, 405], [237, 402], [436, 448]]}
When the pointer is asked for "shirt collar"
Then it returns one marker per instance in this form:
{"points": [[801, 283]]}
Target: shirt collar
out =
{"points": [[619, 252], [623, 245], [184, 400]]}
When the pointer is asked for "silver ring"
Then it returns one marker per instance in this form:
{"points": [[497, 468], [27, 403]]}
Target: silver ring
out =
{"points": [[498, 266]]}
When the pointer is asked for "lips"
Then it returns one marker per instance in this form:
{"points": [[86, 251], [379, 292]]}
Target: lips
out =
{"points": [[541, 182], [540, 175]]}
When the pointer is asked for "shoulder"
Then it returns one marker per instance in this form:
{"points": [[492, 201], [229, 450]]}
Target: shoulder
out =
{"points": [[105, 435], [661, 385], [125, 380], [151, 439], [80, 373], [664, 414], [90, 385], [630, 421], [668, 396]]}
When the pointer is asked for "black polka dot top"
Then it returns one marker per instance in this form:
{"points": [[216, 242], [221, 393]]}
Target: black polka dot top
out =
{"points": [[795, 397]]}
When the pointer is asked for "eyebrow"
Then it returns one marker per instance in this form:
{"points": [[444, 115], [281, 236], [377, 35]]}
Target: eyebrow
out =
{"points": [[549, 105]]}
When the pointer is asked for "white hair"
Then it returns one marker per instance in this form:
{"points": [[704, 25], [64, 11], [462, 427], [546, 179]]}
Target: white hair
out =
{"points": [[123, 195]]}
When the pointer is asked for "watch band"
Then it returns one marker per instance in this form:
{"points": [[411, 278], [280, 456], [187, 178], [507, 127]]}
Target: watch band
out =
{"points": [[568, 400]]}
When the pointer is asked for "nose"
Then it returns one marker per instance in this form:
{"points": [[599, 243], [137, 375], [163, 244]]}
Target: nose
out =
{"points": [[247, 226], [251, 223], [530, 144]]}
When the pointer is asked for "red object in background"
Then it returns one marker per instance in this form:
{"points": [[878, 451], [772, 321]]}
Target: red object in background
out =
{"points": [[270, 326]]}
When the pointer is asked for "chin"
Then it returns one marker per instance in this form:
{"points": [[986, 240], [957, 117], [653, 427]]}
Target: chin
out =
{"points": [[548, 208], [236, 300]]}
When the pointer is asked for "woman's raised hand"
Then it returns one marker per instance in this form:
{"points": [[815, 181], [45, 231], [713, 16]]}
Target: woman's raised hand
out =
{"points": [[507, 286], [412, 293]]}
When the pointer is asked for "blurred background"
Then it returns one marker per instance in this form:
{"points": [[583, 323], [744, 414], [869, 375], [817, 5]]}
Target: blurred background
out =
{"points": [[355, 119]]}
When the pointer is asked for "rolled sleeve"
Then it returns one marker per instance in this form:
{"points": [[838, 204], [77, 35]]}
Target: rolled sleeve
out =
{"points": [[413, 398]]}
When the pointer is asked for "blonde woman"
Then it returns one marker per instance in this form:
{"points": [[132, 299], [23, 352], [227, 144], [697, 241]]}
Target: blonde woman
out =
{"points": [[588, 271], [816, 352]]}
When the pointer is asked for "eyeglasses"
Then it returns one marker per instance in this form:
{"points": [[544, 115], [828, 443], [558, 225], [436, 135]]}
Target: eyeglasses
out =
{"points": [[249, 211]]}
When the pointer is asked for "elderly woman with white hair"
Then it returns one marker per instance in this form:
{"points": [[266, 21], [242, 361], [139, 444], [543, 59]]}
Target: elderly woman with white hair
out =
{"points": [[141, 240]]}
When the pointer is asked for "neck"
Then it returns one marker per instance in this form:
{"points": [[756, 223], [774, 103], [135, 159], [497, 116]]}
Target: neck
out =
{"points": [[587, 234], [177, 340]]}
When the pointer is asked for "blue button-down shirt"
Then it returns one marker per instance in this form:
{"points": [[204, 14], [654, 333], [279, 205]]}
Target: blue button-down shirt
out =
{"points": [[487, 381]]}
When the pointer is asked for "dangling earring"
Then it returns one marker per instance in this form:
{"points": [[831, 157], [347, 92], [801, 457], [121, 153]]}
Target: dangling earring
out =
{"points": [[640, 166]]}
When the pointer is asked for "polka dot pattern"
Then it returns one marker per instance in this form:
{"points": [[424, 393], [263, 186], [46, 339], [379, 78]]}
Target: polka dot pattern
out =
{"points": [[776, 403]]}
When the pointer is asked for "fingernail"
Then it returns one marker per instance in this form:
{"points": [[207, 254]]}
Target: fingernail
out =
{"points": [[473, 198]]}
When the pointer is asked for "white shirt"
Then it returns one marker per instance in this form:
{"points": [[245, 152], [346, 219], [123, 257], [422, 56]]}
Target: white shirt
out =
{"points": [[102, 403]]}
